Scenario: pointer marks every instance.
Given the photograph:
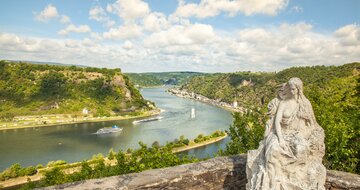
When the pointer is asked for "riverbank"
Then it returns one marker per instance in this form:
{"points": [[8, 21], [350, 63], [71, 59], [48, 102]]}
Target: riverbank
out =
{"points": [[75, 167], [200, 144], [201, 98], [66, 119]]}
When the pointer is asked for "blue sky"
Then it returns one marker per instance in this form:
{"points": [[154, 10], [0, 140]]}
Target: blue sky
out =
{"points": [[174, 35]]}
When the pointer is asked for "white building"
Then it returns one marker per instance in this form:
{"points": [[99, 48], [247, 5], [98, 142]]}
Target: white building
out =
{"points": [[85, 111], [235, 104]]}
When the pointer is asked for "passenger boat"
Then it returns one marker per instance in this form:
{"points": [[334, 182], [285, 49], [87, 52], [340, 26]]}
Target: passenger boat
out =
{"points": [[147, 120], [107, 130]]}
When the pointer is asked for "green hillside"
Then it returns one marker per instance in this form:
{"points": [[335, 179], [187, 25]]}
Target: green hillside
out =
{"points": [[334, 93], [252, 90], [159, 79], [33, 89]]}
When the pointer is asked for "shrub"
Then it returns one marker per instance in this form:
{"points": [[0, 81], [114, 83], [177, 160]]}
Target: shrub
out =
{"points": [[56, 163]]}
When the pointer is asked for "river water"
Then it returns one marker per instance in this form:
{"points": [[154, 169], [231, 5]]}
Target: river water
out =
{"points": [[77, 142]]}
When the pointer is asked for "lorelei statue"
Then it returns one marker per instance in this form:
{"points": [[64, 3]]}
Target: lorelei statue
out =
{"points": [[290, 155]]}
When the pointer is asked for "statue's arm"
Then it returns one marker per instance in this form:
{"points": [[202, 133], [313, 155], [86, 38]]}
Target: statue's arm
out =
{"points": [[278, 117]]}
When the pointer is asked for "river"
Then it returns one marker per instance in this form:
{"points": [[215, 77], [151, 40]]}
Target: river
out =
{"points": [[77, 142]]}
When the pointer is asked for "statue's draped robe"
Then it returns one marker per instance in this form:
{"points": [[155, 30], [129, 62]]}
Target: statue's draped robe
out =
{"points": [[295, 165]]}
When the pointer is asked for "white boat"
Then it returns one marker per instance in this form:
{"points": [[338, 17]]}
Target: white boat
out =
{"points": [[192, 113], [107, 130], [147, 120]]}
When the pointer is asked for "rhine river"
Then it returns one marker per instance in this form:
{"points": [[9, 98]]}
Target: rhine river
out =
{"points": [[77, 142]]}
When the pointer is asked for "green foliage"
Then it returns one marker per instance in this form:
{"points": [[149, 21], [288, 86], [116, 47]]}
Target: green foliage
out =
{"points": [[111, 154], [31, 89], [54, 177], [186, 141], [139, 160], [16, 171], [53, 84], [155, 144], [246, 132], [334, 95], [56, 163], [158, 79], [28, 185], [342, 130]]}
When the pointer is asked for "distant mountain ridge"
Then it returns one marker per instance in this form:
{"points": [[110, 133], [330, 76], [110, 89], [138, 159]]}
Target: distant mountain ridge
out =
{"points": [[45, 63], [162, 78]]}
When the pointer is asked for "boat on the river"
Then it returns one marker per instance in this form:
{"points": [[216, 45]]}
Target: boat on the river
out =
{"points": [[108, 130], [147, 120], [192, 116]]}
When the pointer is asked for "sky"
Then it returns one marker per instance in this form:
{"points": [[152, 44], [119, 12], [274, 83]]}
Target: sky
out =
{"points": [[182, 35]]}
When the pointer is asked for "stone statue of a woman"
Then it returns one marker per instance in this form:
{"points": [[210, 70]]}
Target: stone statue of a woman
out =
{"points": [[290, 155]]}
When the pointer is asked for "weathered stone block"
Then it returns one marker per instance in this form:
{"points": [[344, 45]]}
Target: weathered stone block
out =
{"points": [[217, 173]]}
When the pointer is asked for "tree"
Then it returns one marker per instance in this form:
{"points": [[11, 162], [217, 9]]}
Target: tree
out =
{"points": [[54, 177], [53, 84], [246, 132]]}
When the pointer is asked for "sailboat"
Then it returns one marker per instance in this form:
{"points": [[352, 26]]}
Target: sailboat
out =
{"points": [[192, 116]]}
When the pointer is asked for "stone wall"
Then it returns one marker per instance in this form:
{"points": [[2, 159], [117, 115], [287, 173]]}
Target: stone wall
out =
{"points": [[216, 173]]}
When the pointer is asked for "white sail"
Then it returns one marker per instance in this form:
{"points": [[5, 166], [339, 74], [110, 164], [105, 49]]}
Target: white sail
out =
{"points": [[192, 113]]}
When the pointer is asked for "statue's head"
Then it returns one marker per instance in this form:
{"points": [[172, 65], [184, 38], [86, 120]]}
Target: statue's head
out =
{"points": [[292, 89]]}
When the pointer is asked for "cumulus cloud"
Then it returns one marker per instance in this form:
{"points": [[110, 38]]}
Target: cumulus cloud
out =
{"points": [[349, 35], [77, 29], [181, 35], [98, 13], [128, 45], [155, 22], [126, 31], [49, 12], [129, 9], [196, 47], [84, 52], [65, 19], [210, 8]]}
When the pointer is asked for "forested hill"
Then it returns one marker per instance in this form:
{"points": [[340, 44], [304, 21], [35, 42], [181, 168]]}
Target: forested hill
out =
{"points": [[164, 78], [32, 89], [334, 93], [253, 89]]}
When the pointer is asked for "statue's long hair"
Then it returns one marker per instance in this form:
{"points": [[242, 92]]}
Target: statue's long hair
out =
{"points": [[305, 109]]}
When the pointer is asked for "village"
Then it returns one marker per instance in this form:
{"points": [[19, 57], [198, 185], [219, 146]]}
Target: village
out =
{"points": [[234, 107]]}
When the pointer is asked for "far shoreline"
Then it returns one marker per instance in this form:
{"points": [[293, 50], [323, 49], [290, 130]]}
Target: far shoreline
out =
{"points": [[111, 118]]}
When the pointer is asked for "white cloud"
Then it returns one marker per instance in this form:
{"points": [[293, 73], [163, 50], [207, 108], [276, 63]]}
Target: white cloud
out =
{"points": [[48, 13], [297, 9], [349, 35], [77, 29], [127, 31], [128, 45], [65, 19], [155, 22], [181, 35], [99, 14], [195, 47], [129, 9], [210, 8]]}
